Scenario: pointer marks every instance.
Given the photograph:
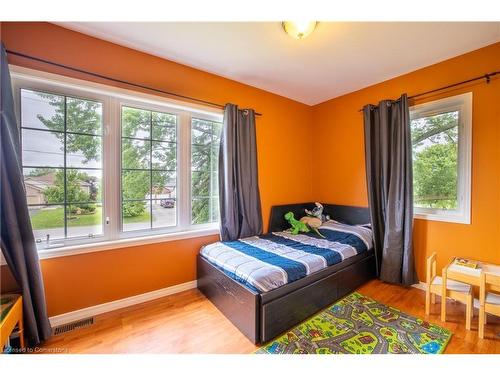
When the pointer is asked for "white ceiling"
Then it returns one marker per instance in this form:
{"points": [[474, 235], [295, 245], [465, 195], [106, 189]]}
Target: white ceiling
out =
{"points": [[336, 59]]}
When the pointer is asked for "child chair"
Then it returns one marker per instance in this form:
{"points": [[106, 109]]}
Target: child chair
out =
{"points": [[489, 302], [440, 286]]}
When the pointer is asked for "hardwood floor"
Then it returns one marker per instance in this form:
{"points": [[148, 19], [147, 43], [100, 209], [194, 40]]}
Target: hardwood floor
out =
{"points": [[188, 323], [412, 301]]}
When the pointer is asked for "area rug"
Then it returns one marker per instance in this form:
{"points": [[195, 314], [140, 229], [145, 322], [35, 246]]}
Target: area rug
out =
{"points": [[359, 325]]}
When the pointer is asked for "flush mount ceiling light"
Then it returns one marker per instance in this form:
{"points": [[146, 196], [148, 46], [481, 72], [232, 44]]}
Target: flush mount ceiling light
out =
{"points": [[299, 29]]}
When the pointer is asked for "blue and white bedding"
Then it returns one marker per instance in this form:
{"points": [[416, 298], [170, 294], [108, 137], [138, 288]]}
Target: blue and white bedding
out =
{"points": [[269, 261]]}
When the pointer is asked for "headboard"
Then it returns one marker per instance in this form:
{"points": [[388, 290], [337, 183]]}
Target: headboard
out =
{"points": [[345, 214]]}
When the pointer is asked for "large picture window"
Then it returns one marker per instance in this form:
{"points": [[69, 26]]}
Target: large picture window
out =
{"points": [[441, 141], [102, 165]]}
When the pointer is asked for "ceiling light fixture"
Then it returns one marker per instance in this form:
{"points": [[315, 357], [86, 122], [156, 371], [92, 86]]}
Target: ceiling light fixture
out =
{"points": [[299, 29]]}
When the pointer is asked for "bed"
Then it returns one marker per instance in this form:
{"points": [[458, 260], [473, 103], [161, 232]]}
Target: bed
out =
{"points": [[293, 277]]}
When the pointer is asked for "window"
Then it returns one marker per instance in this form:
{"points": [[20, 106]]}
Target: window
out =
{"points": [[205, 140], [103, 164], [441, 142], [149, 169], [62, 164]]}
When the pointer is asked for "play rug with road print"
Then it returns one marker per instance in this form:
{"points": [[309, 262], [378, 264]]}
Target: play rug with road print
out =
{"points": [[359, 325]]}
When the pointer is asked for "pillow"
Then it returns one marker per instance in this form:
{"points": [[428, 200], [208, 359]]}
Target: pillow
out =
{"points": [[369, 225], [333, 221]]}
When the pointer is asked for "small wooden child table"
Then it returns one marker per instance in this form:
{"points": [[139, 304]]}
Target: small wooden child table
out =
{"points": [[471, 276]]}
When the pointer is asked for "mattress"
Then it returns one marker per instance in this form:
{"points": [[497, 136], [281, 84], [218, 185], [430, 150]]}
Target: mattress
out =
{"points": [[266, 262]]}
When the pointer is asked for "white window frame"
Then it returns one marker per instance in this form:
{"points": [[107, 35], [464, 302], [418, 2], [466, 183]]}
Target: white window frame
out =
{"points": [[113, 99], [463, 104]]}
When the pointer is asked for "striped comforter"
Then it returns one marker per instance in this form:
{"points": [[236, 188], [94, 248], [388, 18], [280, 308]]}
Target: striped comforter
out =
{"points": [[271, 260]]}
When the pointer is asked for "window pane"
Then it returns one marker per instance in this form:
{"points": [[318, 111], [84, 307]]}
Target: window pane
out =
{"points": [[83, 185], [214, 161], [41, 110], [215, 209], [216, 131], [200, 182], [135, 154], [205, 210], [164, 212], [164, 156], [47, 220], [164, 127], [135, 184], [435, 161], [200, 210], [136, 215], [84, 116], [136, 123], [202, 132], [205, 138], [58, 193], [83, 151], [215, 183], [200, 157], [44, 185], [164, 184], [42, 148], [84, 219], [158, 157]]}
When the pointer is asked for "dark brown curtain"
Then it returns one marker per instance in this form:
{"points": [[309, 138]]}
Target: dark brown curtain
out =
{"points": [[240, 209], [17, 241], [390, 188]]}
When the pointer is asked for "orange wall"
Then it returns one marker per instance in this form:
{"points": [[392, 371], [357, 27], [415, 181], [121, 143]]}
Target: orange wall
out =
{"points": [[335, 127], [78, 281], [339, 161]]}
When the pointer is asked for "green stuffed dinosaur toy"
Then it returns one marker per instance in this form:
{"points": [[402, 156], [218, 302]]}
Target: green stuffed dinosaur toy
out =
{"points": [[297, 226], [303, 225]]}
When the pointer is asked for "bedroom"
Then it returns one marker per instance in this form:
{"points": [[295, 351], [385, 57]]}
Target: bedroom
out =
{"points": [[119, 216]]}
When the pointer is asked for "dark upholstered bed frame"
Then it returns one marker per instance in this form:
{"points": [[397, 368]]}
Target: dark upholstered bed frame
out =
{"points": [[263, 316]]}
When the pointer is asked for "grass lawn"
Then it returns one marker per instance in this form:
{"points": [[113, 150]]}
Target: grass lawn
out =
{"points": [[145, 217], [54, 218]]}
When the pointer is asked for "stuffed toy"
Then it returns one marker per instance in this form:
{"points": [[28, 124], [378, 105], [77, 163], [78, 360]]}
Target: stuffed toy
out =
{"points": [[303, 225], [314, 223], [317, 212], [297, 226]]}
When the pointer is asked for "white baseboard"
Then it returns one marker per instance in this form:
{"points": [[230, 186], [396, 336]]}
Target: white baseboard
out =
{"points": [[90, 311], [419, 285]]}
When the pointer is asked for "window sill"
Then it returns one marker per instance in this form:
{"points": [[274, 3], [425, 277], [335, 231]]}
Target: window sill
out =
{"points": [[457, 219], [123, 243]]}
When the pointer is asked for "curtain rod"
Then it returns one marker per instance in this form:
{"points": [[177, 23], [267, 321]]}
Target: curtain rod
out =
{"points": [[201, 101], [486, 77]]}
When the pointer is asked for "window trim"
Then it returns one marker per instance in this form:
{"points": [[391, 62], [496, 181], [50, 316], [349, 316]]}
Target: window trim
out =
{"points": [[113, 98], [463, 103]]}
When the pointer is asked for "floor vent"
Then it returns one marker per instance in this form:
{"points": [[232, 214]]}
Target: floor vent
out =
{"points": [[73, 325]]}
